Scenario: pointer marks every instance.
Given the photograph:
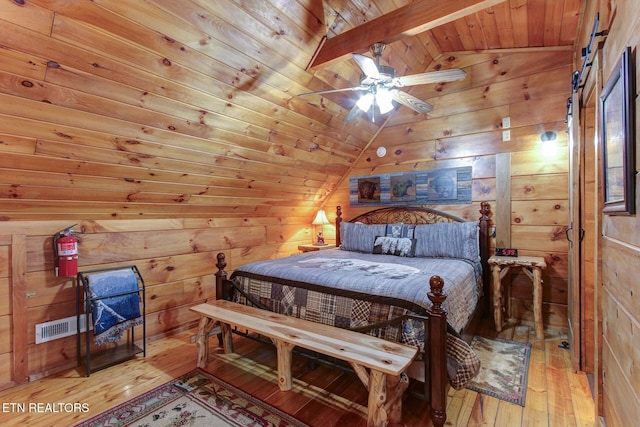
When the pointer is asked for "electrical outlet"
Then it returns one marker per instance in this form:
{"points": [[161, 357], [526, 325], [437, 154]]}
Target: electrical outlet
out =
{"points": [[506, 135], [506, 123]]}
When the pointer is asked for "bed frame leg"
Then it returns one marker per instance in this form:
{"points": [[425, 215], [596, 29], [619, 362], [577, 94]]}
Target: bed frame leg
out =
{"points": [[437, 349], [221, 276]]}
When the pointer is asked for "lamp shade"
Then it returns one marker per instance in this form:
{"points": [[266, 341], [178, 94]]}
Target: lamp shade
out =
{"points": [[383, 99], [321, 218], [365, 101]]}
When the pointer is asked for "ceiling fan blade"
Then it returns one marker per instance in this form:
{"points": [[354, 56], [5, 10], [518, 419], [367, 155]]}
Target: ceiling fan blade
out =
{"points": [[367, 65], [346, 89], [352, 114], [432, 77], [411, 101]]}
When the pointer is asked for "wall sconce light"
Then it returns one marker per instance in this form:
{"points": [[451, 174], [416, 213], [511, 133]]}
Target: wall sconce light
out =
{"points": [[321, 220], [549, 147], [548, 136]]}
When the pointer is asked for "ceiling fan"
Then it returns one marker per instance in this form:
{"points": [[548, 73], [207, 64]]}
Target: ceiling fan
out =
{"points": [[379, 83]]}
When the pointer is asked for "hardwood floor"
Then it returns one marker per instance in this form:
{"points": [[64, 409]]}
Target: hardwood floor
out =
{"points": [[322, 397]]}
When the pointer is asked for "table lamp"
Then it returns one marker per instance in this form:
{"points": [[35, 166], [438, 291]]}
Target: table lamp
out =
{"points": [[321, 220]]}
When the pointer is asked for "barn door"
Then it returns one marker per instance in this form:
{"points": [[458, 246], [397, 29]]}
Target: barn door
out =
{"points": [[574, 231]]}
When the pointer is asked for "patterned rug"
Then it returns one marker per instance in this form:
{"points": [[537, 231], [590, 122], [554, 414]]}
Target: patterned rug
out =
{"points": [[505, 369], [195, 399]]}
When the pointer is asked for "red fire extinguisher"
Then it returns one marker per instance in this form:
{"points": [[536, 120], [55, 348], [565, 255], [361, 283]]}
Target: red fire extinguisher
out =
{"points": [[65, 246]]}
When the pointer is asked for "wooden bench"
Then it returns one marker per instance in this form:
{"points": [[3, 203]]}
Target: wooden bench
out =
{"points": [[385, 360]]}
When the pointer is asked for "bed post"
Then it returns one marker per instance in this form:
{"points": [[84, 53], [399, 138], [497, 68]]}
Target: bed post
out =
{"points": [[221, 276], [338, 221], [485, 210], [437, 325]]}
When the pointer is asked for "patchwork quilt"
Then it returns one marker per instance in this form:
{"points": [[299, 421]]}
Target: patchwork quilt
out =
{"points": [[353, 290], [310, 285]]}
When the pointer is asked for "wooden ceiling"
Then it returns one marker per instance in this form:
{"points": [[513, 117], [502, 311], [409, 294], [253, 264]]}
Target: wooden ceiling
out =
{"points": [[184, 108], [425, 35]]}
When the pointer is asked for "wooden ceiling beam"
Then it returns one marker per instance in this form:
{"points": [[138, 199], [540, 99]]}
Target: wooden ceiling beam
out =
{"points": [[409, 20]]}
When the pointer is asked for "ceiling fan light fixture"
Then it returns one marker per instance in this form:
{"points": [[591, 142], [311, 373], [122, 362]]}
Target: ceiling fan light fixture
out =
{"points": [[365, 101], [383, 99], [378, 84]]}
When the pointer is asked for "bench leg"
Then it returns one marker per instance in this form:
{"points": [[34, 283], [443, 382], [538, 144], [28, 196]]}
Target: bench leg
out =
{"points": [[376, 414], [396, 386], [205, 327], [284, 349], [227, 338]]}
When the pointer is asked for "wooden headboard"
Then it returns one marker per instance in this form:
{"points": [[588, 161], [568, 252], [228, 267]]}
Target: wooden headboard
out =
{"points": [[424, 215]]}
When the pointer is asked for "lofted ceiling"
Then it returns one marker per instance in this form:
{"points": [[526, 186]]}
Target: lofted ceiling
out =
{"points": [[426, 35], [192, 107]]}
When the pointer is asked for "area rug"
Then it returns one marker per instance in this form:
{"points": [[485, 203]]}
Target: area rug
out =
{"points": [[504, 369], [195, 399]]}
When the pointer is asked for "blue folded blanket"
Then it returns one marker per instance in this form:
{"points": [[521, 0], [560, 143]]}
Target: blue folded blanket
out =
{"points": [[112, 315]]}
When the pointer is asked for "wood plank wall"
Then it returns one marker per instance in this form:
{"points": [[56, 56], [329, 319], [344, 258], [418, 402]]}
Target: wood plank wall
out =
{"points": [[164, 166], [176, 258], [166, 139], [531, 89], [6, 344], [619, 289]]}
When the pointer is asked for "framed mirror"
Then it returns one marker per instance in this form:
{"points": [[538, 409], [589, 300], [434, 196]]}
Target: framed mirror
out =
{"points": [[618, 138]]}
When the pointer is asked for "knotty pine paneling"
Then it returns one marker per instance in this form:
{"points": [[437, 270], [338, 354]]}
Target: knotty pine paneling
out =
{"points": [[5, 372], [7, 310], [5, 296], [5, 260], [540, 238], [171, 131], [158, 118], [533, 187], [554, 289], [620, 352], [28, 15], [619, 252], [619, 406], [540, 212], [5, 330], [514, 85], [176, 257]]}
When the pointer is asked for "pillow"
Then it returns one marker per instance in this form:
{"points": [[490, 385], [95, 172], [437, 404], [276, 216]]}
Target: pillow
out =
{"points": [[394, 230], [398, 246], [359, 237], [451, 240]]}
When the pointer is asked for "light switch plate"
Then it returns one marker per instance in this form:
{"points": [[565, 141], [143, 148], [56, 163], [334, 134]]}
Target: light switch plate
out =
{"points": [[506, 122], [506, 135]]}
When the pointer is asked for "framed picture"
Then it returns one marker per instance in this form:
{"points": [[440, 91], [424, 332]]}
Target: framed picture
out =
{"points": [[369, 190], [618, 138], [430, 187]]}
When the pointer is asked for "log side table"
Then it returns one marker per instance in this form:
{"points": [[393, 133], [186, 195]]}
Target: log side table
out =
{"points": [[532, 266]]}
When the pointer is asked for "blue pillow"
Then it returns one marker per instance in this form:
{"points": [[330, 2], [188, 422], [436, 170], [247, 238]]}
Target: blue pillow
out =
{"points": [[359, 237], [449, 240]]}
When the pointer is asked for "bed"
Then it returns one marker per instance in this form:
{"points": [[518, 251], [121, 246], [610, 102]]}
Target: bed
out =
{"points": [[408, 274]]}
